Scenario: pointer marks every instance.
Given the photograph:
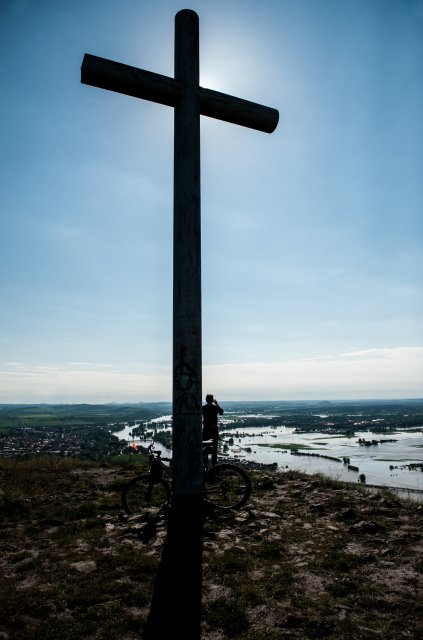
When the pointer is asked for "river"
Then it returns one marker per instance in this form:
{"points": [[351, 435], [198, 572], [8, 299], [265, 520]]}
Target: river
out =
{"points": [[384, 464]]}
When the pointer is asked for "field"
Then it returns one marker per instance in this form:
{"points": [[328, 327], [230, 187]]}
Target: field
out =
{"points": [[307, 558]]}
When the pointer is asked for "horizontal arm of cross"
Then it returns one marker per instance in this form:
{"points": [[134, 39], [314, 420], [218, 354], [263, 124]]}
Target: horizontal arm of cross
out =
{"points": [[114, 76], [122, 78]]}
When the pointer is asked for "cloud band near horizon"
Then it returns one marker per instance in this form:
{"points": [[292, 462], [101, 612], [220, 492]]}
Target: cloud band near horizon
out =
{"points": [[386, 373]]}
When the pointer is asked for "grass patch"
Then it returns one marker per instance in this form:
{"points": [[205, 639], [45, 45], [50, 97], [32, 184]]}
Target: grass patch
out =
{"points": [[228, 615], [337, 561], [229, 563], [270, 551], [285, 445]]}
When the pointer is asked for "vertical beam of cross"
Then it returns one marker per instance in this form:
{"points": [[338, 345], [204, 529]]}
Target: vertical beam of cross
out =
{"points": [[187, 367], [189, 101]]}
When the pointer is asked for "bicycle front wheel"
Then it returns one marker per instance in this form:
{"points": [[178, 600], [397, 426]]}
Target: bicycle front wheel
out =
{"points": [[142, 495], [227, 486]]}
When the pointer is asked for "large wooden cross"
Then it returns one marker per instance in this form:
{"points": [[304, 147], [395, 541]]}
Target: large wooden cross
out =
{"points": [[189, 101]]}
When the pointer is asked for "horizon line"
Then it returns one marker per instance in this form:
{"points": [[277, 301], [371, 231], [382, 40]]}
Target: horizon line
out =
{"points": [[308, 401]]}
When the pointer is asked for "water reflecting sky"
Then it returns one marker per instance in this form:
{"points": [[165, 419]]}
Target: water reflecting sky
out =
{"points": [[265, 445]]}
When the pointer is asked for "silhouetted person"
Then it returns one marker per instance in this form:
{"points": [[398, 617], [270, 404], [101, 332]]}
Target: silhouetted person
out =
{"points": [[210, 429]]}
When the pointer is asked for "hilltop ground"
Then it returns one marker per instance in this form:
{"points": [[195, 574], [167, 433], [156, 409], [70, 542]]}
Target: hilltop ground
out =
{"points": [[307, 558]]}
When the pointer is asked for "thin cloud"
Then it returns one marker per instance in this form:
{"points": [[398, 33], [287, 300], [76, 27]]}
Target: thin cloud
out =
{"points": [[366, 373], [372, 373], [89, 364], [85, 384], [386, 353]]}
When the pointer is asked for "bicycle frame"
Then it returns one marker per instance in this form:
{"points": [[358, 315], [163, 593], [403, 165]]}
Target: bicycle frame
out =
{"points": [[157, 465], [225, 486]]}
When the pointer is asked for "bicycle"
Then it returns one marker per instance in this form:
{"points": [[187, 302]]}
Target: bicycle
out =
{"points": [[226, 486]]}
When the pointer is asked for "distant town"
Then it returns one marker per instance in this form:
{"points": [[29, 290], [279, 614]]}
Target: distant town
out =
{"points": [[85, 431]]}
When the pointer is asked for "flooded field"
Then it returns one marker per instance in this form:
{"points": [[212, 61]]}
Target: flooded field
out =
{"points": [[384, 459], [385, 463]]}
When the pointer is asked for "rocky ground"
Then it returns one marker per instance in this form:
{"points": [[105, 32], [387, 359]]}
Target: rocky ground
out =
{"points": [[306, 558]]}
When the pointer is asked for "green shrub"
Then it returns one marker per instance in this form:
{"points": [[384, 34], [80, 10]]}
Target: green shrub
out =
{"points": [[228, 616]]}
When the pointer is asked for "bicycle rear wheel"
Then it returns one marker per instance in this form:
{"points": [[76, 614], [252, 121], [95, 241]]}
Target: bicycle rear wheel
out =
{"points": [[142, 495], [227, 486]]}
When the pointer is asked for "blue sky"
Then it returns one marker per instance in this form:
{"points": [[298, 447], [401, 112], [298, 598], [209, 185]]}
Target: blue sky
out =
{"points": [[311, 236]]}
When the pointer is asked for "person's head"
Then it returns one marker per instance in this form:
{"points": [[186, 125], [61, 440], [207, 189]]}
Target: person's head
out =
{"points": [[209, 397]]}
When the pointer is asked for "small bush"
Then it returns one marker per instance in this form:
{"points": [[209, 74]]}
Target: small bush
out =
{"points": [[265, 484], [228, 616], [270, 551], [340, 562], [230, 562]]}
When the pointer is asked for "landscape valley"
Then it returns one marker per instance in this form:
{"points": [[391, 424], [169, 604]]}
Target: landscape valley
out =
{"points": [[376, 442], [308, 556]]}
